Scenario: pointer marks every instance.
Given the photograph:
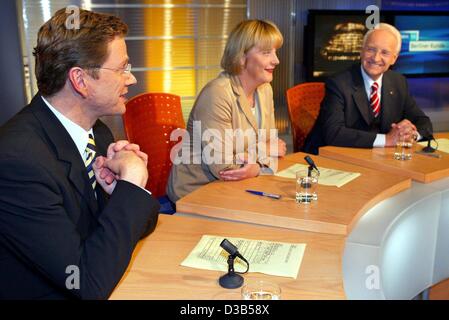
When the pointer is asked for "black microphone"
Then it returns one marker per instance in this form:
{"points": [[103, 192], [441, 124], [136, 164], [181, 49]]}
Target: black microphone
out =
{"points": [[232, 279], [311, 163], [231, 249]]}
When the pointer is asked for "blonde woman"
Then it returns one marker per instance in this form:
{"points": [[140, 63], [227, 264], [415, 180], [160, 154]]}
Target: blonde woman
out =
{"points": [[239, 102]]}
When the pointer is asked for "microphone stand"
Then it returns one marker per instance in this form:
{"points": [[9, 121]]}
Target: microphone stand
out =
{"points": [[428, 149], [309, 171], [232, 279]]}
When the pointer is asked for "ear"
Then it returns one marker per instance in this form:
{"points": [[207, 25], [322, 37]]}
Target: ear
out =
{"points": [[243, 61], [78, 79], [394, 59]]}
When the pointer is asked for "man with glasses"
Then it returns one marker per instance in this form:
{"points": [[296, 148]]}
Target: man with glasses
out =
{"points": [[72, 203], [369, 105]]}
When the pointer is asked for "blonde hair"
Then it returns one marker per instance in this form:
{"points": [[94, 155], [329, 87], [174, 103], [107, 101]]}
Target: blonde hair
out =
{"points": [[386, 27], [246, 35]]}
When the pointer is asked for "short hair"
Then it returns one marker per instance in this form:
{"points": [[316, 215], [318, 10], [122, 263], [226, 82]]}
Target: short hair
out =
{"points": [[245, 36], [387, 27], [60, 48]]}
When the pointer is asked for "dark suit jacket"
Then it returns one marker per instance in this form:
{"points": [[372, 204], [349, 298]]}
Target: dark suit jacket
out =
{"points": [[50, 219], [346, 118]]}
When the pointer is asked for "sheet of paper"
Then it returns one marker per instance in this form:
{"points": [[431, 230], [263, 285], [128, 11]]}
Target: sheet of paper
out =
{"points": [[274, 258], [443, 144], [328, 177]]}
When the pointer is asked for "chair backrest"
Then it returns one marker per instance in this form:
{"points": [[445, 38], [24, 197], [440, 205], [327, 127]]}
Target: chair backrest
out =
{"points": [[303, 101], [149, 121]]}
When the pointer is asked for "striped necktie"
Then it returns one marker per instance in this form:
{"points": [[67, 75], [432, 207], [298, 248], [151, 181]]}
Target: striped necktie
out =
{"points": [[91, 152], [374, 99]]}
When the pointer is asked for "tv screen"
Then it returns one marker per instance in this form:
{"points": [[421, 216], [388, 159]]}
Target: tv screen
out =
{"points": [[333, 40], [425, 44]]}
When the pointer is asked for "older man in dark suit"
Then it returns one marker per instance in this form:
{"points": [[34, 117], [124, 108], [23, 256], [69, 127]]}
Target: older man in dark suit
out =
{"points": [[70, 217], [369, 105]]}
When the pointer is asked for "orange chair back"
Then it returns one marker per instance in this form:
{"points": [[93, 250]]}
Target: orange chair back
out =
{"points": [[149, 120], [303, 101]]}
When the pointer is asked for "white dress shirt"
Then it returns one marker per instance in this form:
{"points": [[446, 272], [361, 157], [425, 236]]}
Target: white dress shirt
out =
{"points": [[368, 82], [77, 133]]}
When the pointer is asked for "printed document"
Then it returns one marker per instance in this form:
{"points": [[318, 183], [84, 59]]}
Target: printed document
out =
{"points": [[274, 258], [328, 177]]}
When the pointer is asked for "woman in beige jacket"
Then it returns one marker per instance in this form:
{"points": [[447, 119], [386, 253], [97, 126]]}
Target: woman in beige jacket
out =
{"points": [[231, 132]]}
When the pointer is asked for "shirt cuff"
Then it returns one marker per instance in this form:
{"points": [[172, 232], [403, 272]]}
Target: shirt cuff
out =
{"points": [[144, 190], [379, 141], [419, 137]]}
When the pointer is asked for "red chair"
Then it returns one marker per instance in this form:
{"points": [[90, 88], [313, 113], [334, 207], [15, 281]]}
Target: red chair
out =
{"points": [[304, 101], [149, 120]]}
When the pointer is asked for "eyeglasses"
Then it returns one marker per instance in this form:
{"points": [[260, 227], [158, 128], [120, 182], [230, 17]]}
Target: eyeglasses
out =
{"points": [[124, 70], [384, 53]]}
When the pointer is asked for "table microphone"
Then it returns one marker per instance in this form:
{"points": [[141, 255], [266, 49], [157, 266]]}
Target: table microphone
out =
{"points": [[231, 249], [311, 165], [232, 279]]}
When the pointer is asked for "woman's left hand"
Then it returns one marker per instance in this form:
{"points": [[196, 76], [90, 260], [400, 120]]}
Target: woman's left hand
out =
{"points": [[245, 172]]}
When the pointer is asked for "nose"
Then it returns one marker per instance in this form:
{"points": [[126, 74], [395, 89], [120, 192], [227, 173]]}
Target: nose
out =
{"points": [[130, 80], [377, 56], [275, 59]]}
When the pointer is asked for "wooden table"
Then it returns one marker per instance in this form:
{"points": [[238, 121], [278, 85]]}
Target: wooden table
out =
{"points": [[336, 211], [155, 271], [420, 168]]}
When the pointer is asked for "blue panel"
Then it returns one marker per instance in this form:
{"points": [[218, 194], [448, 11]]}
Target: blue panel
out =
{"points": [[430, 93], [425, 44], [430, 5]]}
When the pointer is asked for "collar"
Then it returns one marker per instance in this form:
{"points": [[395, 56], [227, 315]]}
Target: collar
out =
{"points": [[368, 82], [77, 133], [237, 88]]}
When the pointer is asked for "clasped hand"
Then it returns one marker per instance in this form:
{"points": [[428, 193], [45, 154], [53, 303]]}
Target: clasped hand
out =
{"points": [[402, 131], [124, 161]]}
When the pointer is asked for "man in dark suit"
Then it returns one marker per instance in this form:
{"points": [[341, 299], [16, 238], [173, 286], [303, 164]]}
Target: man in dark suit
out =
{"points": [[369, 105], [69, 223]]}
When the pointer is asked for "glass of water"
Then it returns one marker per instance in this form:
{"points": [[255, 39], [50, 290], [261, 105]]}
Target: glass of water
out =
{"points": [[306, 186], [403, 149], [261, 290]]}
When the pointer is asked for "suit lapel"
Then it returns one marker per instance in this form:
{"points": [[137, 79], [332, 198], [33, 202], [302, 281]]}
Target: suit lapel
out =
{"points": [[359, 96], [387, 103], [66, 151], [243, 101], [261, 99], [102, 142]]}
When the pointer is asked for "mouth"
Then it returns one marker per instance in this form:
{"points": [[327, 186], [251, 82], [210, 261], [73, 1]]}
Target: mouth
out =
{"points": [[269, 70], [374, 64]]}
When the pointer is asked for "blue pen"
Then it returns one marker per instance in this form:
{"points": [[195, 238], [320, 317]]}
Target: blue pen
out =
{"points": [[264, 194]]}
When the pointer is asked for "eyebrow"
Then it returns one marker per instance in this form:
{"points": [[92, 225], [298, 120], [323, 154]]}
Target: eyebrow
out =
{"points": [[125, 61]]}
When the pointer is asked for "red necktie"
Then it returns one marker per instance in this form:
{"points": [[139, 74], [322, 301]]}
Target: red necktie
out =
{"points": [[374, 99]]}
